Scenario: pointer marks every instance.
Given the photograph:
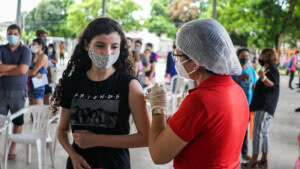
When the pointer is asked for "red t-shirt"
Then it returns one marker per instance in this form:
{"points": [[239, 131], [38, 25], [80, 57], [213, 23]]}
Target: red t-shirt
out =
{"points": [[213, 119]]}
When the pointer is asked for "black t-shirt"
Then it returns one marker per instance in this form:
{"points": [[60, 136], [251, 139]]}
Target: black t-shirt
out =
{"points": [[266, 98], [103, 108]]}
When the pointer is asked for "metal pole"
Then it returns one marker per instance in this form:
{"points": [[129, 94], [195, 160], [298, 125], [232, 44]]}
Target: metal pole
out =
{"points": [[215, 9], [103, 8], [19, 16]]}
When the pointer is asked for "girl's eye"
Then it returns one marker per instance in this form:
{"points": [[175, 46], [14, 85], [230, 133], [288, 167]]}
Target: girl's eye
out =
{"points": [[115, 47], [99, 46]]}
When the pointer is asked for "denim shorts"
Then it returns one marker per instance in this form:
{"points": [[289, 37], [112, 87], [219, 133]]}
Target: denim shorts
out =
{"points": [[37, 93], [13, 101]]}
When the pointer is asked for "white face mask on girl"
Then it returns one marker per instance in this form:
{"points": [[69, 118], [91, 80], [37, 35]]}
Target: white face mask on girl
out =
{"points": [[34, 49], [181, 70], [103, 61]]}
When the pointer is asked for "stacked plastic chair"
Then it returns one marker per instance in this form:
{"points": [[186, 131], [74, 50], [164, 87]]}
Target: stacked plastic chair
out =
{"points": [[39, 134]]}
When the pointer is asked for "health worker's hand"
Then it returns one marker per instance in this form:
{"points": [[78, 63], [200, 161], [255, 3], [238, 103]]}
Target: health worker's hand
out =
{"points": [[157, 96]]}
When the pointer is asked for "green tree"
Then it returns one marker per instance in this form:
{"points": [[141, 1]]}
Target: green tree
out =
{"points": [[28, 36], [264, 22], [160, 22], [80, 14], [50, 15]]}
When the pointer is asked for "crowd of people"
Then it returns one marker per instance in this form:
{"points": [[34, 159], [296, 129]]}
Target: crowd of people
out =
{"points": [[103, 83], [25, 72]]}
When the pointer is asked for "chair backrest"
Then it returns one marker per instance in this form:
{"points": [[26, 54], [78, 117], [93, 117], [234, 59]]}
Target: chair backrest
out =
{"points": [[3, 122], [41, 115], [177, 84]]}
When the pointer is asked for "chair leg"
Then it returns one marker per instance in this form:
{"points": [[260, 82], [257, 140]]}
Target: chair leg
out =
{"points": [[54, 142], [7, 145], [51, 150], [39, 153], [29, 153]]}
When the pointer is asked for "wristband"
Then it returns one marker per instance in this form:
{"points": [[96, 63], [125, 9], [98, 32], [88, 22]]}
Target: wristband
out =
{"points": [[158, 111]]}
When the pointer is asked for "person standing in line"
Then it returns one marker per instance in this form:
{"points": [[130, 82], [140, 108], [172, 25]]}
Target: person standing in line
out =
{"points": [[38, 69], [170, 65], [129, 44], [136, 55], [264, 103], [152, 60], [141, 63], [52, 56], [149, 75], [62, 53], [42, 34], [52, 61], [246, 81], [293, 65], [97, 93], [15, 59]]}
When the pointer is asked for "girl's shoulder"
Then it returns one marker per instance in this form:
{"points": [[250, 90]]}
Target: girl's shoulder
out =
{"points": [[124, 76]]}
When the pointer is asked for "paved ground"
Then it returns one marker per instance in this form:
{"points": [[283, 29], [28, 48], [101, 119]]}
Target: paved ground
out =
{"points": [[283, 138]]}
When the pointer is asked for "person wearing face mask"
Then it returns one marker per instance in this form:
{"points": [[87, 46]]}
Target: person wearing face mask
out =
{"points": [[152, 60], [15, 59], [264, 103], [208, 129], [142, 64], [170, 66], [97, 94], [52, 56], [246, 81], [38, 69], [42, 34]]}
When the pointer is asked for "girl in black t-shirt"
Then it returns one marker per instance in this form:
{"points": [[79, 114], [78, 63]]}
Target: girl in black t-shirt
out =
{"points": [[97, 93]]}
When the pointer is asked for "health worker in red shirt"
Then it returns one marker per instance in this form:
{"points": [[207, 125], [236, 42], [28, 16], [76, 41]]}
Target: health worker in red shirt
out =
{"points": [[208, 129]]}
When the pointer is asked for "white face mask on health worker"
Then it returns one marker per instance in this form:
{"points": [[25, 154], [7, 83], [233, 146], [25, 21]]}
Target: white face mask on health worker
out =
{"points": [[181, 70]]}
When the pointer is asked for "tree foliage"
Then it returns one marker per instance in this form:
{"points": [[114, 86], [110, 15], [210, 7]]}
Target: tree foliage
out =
{"points": [[50, 15], [264, 22], [184, 10], [160, 21], [80, 14], [168, 15]]}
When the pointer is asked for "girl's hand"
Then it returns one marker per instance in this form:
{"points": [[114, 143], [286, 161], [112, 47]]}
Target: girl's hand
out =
{"points": [[83, 138], [79, 162]]}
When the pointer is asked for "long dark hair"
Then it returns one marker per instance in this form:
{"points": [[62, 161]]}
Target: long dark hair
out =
{"points": [[80, 61]]}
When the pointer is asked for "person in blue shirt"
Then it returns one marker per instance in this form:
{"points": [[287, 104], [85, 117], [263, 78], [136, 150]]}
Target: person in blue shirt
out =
{"points": [[170, 70], [246, 81]]}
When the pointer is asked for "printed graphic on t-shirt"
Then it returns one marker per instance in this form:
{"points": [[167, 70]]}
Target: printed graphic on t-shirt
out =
{"points": [[95, 111]]}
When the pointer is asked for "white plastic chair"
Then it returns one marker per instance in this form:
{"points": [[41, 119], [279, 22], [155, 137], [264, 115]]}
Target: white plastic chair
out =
{"points": [[3, 123], [39, 134], [3, 126], [175, 92]]}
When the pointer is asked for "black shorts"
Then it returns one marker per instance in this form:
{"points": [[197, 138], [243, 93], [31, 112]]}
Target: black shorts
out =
{"points": [[48, 89], [13, 101]]}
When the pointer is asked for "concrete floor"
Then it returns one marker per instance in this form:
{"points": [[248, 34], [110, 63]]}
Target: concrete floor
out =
{"points": [[283, 140]]}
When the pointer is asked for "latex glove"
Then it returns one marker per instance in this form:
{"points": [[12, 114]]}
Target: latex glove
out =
{"points": [[158, 97]]}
